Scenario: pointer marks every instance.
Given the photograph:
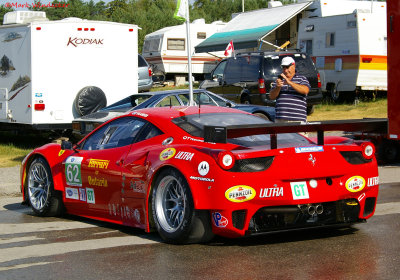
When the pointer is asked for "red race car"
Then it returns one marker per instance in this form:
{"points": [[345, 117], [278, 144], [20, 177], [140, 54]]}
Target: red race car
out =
{"points": [[192, 172]]}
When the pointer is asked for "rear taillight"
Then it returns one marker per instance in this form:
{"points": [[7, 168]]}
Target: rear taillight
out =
{"points": [[261, 86], [39, 107], [150, 73], [319, 81], [226, 160], [368, 150]]}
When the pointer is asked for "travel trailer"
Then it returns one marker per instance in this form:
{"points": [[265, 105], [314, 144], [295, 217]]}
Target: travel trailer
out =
{"points": [[54, 71], [166, 51], [350, 51]]}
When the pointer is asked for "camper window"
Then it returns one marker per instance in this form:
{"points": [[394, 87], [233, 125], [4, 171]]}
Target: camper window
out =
{"points": [[155, 45], [201, 35], [176, 44], [330, 39], [352, 24]]}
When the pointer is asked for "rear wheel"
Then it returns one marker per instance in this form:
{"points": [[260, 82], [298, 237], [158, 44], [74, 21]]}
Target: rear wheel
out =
{"points": [[245, 99], [310, 109], [44, 200], [173, 211]]}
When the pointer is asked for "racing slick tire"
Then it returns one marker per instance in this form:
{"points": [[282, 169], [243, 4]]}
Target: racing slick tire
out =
{"points": [[174, 215], [44, 200]]}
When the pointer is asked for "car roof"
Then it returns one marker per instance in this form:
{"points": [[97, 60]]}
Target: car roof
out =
{"points": [[168, 113]]}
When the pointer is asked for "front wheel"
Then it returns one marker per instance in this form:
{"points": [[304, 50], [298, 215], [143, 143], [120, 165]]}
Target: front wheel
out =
{"points": [[44, 200], [173, 211]]}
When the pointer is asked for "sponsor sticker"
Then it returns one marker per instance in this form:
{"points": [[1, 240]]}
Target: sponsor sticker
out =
{"points": [[184, 155], [73, 171], [271, 192], [98, 163], [93, 181], [71, 193], [203, 168], [240, 193], [60, 153], [373, 181], [90, 196], [204, 179], [167, 154], [82, 194], [219, 220], [309, 149], [299, 190], [355, 184]]}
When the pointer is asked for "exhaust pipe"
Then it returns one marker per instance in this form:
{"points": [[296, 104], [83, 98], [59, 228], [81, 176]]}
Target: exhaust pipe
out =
{"points": [[319, 209], [311, 209]]}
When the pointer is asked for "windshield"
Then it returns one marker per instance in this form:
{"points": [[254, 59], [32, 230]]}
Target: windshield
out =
{"points": [[194, 125]]}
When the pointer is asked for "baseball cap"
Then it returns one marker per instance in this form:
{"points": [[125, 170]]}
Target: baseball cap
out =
{"points": [[287, 61]]}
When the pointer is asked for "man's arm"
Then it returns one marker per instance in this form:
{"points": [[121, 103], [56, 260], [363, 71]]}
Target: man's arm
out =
{"points": [[274, 92], [302, 89]]}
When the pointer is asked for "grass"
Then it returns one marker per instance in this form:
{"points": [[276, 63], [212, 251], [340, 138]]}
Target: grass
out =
{"points": [[13, 148], [364, 109]]}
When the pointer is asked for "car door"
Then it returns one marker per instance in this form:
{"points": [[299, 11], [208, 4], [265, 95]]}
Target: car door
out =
{"points": [[135, 169], [216, 81], [99, 183]]}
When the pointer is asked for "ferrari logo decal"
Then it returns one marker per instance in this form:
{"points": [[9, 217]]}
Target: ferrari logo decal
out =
{"points": [[312, 159], [61, 152]]}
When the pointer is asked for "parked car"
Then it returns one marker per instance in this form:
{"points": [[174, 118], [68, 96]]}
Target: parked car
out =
{"points": [[192, 172], [86, 124], [145, 80], [247, 77]]}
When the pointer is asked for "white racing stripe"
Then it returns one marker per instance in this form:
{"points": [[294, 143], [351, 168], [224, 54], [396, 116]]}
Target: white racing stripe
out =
{"points": [[46, 250], [25, 265], [40, 227], [18, 239]]}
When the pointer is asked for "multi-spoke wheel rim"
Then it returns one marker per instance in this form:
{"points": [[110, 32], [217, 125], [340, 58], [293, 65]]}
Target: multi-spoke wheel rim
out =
{"points": [[170, 204], [38, 185]]}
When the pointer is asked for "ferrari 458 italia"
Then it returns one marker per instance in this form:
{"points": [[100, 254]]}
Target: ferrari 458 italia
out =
{"points": [[158, 170]]}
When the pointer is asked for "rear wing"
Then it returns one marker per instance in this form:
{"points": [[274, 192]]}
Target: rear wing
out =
{"points": [[220, 134]]}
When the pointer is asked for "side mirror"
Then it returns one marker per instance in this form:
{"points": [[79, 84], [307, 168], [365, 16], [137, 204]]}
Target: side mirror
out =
{"points": [[229, 104], [66, 145]]}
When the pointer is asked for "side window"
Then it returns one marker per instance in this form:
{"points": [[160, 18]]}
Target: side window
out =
{"points": [[176, 44], [221, 102], [219, 70], [118, 133], [185, 99], [141, 61], [330, 39], [204, 99], [169, 101], [148, 132]]}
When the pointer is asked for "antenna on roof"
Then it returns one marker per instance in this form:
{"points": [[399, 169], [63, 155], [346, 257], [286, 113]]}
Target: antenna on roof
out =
{"points": [[170, 102]]}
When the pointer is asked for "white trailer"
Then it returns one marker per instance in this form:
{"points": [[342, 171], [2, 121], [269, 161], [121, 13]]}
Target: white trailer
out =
{"points": [[165, 49], [350, 50], [54, 71]]}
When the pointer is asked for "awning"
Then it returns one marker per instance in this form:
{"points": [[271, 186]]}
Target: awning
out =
{"points": [[249, 28]]}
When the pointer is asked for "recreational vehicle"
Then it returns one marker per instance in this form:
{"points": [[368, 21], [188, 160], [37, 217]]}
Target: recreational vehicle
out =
{"points": [[54, 71], [349, 51], [166, 50]]}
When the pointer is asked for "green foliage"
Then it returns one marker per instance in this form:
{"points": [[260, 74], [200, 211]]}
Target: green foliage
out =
{"points": [[3, 11]]}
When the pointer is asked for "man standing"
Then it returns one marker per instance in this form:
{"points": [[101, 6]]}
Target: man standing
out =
{"points": [[290, 91]]}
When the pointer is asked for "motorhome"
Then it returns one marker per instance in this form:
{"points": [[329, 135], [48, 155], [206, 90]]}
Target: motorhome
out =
{"points": [[165, 50], [349, 50], [54, 71]]}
